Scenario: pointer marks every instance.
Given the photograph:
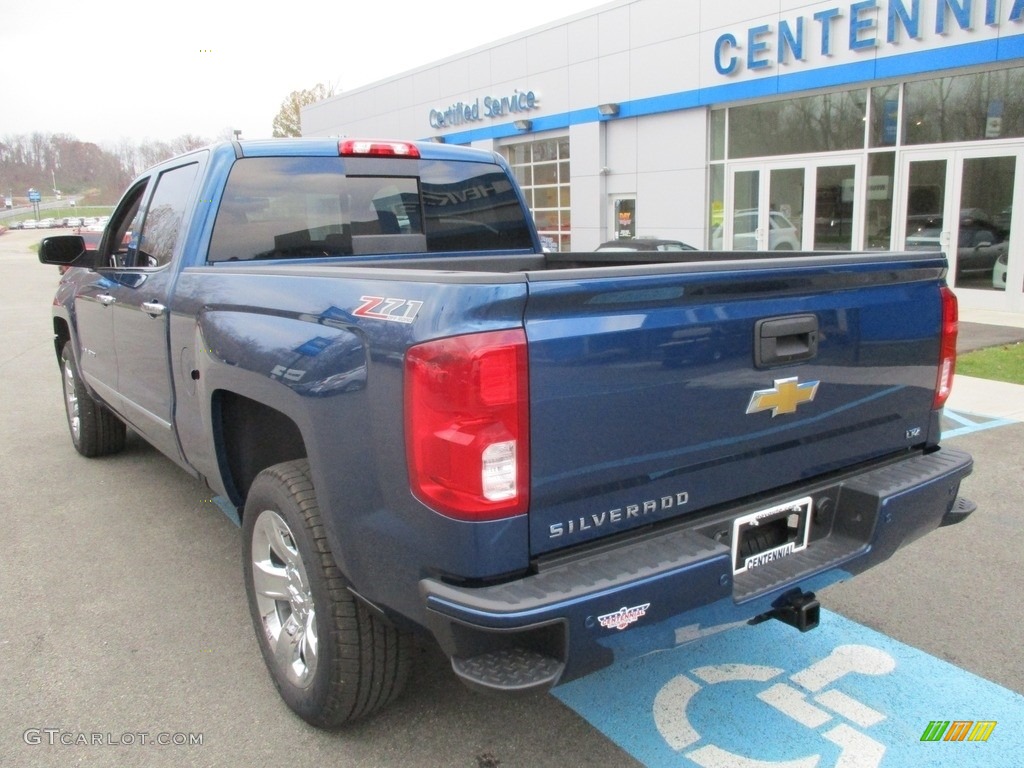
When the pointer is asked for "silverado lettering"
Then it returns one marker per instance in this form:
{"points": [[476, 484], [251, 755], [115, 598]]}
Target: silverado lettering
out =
{"points": [[617, 515]]}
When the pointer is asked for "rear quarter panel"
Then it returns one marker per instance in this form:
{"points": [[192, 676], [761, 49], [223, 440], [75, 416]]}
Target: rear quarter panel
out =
{"points": [[294, 339]]}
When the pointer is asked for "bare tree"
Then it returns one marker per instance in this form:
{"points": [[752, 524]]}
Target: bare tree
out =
{"points": [[187, 142], [288, 121], [153, 152], [127, 154]]}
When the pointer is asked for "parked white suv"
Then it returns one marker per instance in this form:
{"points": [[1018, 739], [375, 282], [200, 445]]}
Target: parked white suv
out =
{"points": [[782, 234]]}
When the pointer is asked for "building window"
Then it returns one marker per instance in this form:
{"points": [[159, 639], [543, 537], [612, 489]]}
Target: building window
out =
{"points": [[885, 112], [974, 107], [826, 122], [717, 134], [878, 210], [542, 170], [716, 211]]}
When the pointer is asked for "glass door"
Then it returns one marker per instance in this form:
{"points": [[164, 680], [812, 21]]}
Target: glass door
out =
{"points": [[962, 202], [785, 220], [984, 188], [622, 217], [776, 207], [767, 209], [925, 217], [740, 229], [837, 207]]}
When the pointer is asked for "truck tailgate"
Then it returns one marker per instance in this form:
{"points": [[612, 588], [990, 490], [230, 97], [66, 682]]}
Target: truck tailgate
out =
{"points": [[658, 391]]}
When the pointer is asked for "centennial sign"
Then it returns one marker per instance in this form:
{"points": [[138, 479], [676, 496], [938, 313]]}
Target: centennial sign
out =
{"points": [[860, 26]]}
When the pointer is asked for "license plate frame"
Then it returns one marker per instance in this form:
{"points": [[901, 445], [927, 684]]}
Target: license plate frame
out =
{"points": [[796, 513]]}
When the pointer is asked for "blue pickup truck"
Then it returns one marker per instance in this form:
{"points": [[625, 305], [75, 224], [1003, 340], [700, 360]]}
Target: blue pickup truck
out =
{"points": [[427, 425]]}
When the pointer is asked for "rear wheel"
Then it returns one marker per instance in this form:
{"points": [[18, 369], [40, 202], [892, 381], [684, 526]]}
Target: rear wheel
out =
{"points": [[95, 431], [331, 659]]}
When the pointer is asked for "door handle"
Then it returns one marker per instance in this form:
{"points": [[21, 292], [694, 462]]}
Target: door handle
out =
{"points": [[785, 340], [105, 299], [153, 308]]}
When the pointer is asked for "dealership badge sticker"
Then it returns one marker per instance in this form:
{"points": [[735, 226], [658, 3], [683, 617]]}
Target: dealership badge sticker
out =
{"points": [[623, 617]]}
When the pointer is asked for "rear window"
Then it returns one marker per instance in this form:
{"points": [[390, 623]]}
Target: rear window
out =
{"points": [[302, 207]]}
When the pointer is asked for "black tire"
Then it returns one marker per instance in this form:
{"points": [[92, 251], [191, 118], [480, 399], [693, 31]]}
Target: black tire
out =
{"points": [[331, 658], [95, 430]]}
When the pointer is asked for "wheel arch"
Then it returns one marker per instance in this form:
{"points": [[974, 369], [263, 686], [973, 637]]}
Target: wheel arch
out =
{"points": [[61, 335], [250, 437]]}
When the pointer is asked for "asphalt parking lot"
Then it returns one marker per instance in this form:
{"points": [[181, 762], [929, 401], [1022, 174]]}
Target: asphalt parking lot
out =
{"points": [[125, 624]]}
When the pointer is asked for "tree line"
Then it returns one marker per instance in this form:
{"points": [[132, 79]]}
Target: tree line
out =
{"points": [[48, 162], [57, 161]]}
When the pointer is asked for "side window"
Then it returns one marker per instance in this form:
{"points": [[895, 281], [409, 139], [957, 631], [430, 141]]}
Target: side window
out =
{"points": [[119, 247], [162, 226]]}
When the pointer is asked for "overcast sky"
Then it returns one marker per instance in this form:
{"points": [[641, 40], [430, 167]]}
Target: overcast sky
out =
{"points": [[139, 70]]}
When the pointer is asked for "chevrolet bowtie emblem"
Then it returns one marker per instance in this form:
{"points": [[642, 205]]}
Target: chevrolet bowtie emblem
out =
{"points": [[784, 397]]}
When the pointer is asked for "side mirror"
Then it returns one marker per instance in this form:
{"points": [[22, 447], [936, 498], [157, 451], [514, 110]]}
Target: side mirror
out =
{"points": [[66, 251]]}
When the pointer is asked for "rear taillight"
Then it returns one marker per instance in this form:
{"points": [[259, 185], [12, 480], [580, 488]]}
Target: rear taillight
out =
{"points": [[947, 347], [467, 424]]}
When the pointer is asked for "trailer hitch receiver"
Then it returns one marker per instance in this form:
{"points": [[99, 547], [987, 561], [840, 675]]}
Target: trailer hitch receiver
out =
{"points": [[798, 609]]}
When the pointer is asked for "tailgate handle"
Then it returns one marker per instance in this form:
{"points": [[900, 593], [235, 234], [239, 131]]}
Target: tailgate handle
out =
{"points": [[784, 340]]}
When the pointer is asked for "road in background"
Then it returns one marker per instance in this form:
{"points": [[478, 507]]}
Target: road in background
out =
{"points": [[125, 614], [62, 206]]}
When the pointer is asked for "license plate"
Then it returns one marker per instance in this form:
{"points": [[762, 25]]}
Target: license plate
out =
{"points": [[770, 534]]}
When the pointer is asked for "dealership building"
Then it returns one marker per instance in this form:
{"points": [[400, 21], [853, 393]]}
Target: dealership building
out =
{"points": [[767, 124]]}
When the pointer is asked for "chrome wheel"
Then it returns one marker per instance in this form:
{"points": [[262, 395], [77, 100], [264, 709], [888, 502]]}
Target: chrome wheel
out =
{"points": [[332, 660], [95, 430], [284, 599], [71, 401]]}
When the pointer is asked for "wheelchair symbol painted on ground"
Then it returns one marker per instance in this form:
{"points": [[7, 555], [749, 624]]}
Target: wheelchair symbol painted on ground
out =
{"points": [[806, 698]]}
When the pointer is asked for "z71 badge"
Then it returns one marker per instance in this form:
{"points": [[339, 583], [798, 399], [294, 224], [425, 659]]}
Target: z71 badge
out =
{"points": [[391, 310]]}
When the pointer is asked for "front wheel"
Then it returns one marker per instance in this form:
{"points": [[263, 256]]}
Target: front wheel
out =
{"points": [[331, 659], [95, 430]]}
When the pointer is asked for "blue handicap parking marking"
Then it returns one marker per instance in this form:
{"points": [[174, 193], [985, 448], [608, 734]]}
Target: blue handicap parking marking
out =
{"points": [[955, 424], [842, 695]]}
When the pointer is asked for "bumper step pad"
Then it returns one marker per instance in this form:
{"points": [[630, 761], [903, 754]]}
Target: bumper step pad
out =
{"points": [[508, 670]]}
